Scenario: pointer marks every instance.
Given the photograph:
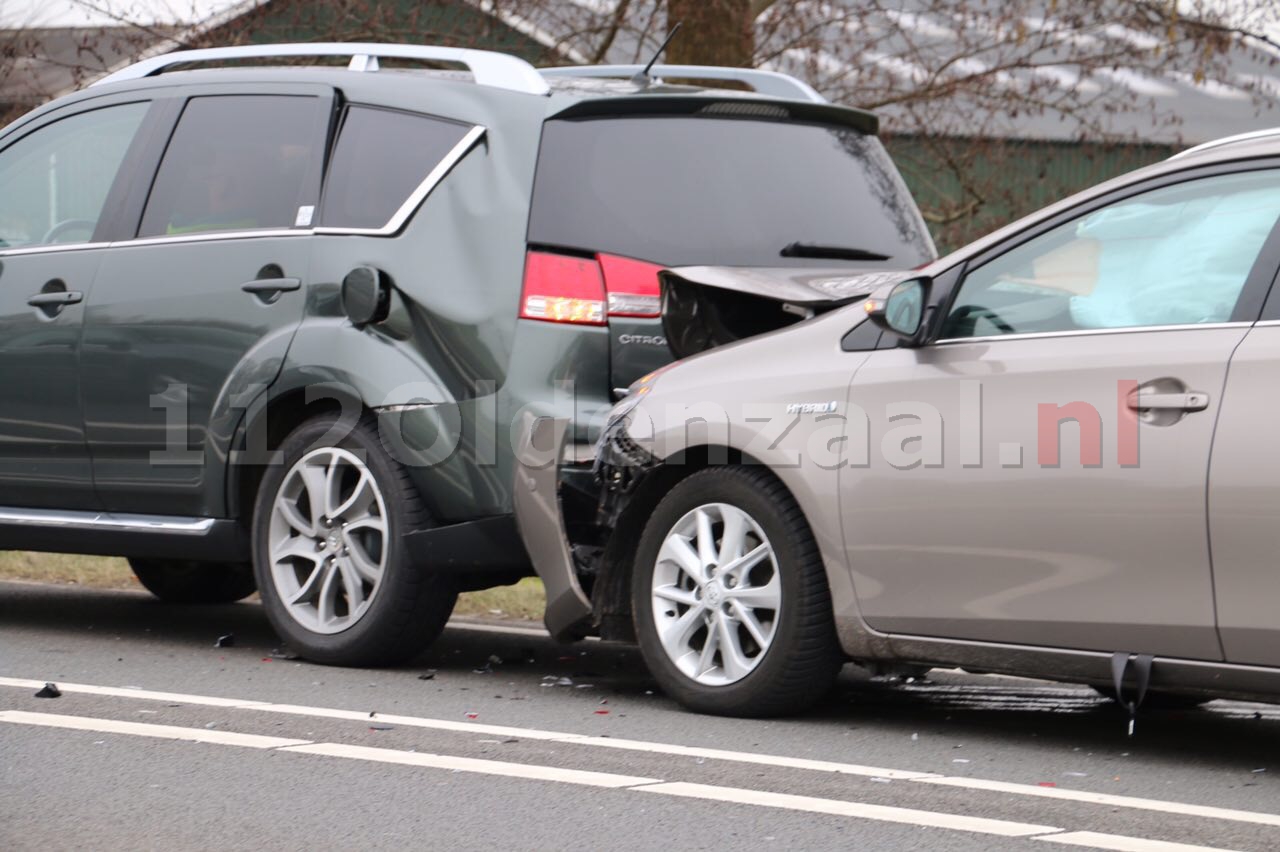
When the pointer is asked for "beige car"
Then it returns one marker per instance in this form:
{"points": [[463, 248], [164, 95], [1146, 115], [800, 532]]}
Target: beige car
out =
{"points": [[1051, 454]]}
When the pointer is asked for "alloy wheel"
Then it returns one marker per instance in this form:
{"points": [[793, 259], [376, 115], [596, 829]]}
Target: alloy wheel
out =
{"points": [[328, 539], [716, 594]]}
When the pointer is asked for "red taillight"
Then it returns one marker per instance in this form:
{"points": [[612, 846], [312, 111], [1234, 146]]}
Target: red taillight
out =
{"points": [[564, 288], [632, 286], [561, 288]]}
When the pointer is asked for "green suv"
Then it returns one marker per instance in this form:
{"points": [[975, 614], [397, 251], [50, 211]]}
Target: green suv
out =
{"points": [[276, 327]]}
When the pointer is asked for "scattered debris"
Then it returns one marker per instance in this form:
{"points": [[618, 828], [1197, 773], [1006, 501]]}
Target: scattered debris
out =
{"points": [[510, 740], [495, 660], [227, 641], [1076, 774], [471, 714], [284, 654], [960, 760], [429, 674], [602, 712], [552, 680], [266, 659], [1259, 771], [381, 728], [373, 713], [880, 780], [211, 726], [1048, 784], [585, 686], [915, 738], [50, 690]]}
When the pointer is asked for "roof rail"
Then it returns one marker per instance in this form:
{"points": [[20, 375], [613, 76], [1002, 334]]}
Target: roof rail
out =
{"points": [[770, 83], [1228, 140], [489, 68]]}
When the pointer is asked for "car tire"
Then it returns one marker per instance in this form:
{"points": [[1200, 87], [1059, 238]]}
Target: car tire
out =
{"points": [[342, 588], [784, 591], [186, 582]]}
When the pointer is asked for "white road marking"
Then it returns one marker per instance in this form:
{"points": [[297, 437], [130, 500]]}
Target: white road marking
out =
{"points": [[1107, 799], [1117, 843], [780, 761], [536, 772], [529, 771], [861, 810], [141, 729]]}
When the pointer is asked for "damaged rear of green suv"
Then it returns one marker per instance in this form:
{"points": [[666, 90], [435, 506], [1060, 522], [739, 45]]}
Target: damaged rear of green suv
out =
{"points": [[277, 328]]}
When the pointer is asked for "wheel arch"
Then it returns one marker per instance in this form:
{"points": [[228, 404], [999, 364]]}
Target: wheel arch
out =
{"points": [[611, 593]]}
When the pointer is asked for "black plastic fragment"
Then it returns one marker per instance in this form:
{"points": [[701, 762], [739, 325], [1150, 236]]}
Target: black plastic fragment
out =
{"points": [[50, 691]]}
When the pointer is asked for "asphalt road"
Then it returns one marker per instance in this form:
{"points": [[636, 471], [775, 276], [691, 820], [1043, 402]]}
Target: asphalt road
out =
{"points": [[499, 738]]}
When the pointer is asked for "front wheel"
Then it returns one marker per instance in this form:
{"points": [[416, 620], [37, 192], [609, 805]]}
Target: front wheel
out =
{"points": [[730, 596], [334, 573]]}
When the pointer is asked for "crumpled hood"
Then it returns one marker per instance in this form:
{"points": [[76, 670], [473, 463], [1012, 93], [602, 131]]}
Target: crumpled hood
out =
{"points": [[809, 287], [708, 306]]}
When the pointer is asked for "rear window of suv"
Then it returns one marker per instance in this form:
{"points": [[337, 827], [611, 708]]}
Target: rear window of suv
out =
{"points": [[686, 190]]}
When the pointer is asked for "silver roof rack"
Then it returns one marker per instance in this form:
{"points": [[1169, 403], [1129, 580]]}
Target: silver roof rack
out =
{"points": [[489, 68], [770, 83], [1228, 140]]}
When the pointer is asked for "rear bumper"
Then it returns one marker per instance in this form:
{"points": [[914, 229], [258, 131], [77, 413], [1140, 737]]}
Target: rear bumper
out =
{"points": [[541, 523]]}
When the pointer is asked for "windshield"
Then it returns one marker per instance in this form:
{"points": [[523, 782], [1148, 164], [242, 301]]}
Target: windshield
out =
{"points": [[730, 192]]}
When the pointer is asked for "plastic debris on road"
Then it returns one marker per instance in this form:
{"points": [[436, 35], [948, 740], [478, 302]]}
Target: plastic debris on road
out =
{"points": [[552, 680], [429, 674], [226, 641], [50, 690]]}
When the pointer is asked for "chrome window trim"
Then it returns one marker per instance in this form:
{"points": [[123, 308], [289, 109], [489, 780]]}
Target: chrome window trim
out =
{"points": [[105, 520], [1267, 323], [1090, 332], [211, 236], [418, 196], [393, 225], [50, 247]]}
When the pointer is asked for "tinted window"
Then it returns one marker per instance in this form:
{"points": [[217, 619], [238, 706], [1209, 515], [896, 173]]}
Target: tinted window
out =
{"points": [[718, 191], [382, 156], [236, 163], [54, 181], [1174, 256]]}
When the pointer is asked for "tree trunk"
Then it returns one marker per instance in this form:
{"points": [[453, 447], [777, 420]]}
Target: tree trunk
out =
{"points": [[714, 32]]}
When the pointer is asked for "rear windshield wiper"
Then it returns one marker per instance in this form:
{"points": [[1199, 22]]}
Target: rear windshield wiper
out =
{"points": [[831, 252]]}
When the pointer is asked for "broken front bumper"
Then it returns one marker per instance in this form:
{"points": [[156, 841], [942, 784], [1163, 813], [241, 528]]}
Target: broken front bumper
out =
{"points": [[541, 522]]}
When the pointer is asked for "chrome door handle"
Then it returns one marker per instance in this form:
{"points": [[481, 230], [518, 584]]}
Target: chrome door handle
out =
{"points": [[1189, 401], [56, 299]]}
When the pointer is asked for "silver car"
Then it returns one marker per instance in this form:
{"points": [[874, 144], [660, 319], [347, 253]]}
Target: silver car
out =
{"points": [[1049, 454]]}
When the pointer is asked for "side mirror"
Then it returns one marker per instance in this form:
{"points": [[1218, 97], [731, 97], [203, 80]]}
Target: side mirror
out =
{"points": [[366, 295], [899, 308]]}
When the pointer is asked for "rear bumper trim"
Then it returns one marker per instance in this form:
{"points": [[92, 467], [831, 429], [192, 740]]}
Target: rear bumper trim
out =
{"points": [[541, 522]]}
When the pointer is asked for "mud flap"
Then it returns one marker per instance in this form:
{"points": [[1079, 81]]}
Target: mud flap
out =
{"points": [[538, 515], [1141, 664]]}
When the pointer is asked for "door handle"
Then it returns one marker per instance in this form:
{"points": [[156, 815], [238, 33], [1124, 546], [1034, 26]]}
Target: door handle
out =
{"points": [[56, 299], [270, 286], [1189, 401]]}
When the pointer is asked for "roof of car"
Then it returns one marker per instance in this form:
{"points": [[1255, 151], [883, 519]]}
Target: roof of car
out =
{"points": [[577, 91]]}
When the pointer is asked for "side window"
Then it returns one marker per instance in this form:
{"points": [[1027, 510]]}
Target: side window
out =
{"points": [[237, 162], [382, 156], [54, 181], [1177, 255]]}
